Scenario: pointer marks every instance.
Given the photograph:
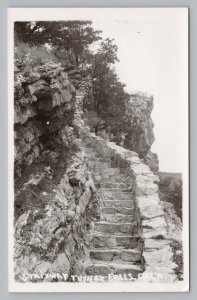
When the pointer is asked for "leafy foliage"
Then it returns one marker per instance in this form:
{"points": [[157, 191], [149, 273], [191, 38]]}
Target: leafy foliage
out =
{"points": [[108, 95], [170, 187], [68, 38], [68, 42], [33, 55]]}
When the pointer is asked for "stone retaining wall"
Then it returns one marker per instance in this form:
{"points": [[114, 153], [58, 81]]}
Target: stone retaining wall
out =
{"points": [[150, 217]]}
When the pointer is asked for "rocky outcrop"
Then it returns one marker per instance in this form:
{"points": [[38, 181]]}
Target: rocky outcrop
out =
{"points": [[55, 196], [140, 136], [43, 104], [50, 238], [151, 159]]}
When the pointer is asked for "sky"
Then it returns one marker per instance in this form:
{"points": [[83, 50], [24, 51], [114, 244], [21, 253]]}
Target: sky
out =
{"points": [[152, 50]]}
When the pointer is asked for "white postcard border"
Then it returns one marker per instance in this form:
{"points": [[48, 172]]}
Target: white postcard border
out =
{"points": [[46, 14]]}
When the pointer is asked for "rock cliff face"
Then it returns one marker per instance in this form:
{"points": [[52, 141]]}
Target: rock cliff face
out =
{"points": [[43, 105], [55, 196], [151, 159], [140, 136], [58, 194], [51, 232]]}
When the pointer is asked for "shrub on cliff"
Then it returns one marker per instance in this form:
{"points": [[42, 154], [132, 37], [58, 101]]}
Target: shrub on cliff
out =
{"points": [[26, 54], [67, 38], [170, 187]]}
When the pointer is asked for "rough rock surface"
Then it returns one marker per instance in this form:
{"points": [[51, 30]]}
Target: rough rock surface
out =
{"points": [[149, 218], [151, 159], [94, 212], [141, 136], [115, 246], [50, 239], [43, 104], [55, 196]]}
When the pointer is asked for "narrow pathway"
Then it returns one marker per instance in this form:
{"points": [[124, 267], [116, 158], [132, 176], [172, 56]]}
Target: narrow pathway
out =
{"points": [[115, 247]]}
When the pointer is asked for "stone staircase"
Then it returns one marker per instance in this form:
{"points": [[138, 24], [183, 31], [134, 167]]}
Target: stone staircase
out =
{"points": [[115, 246]]}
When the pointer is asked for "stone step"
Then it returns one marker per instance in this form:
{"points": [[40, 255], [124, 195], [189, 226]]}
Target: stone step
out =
{"points": [[107, 171], [102, 159], [102, 175], [104, 269], [120, 177], [117, 218], [88, 149], [97, 157], [115, 193], [91, 154], [106, 195], [100, 240], [129, 255], [92, 158], [114, 246], [99, 164], [108, 184], [115, 228], [118, 203], [113, 190], [116, 190], [118, 210], [117, 179]]}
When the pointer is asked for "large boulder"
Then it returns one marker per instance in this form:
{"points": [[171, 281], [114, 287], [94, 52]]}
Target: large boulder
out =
{"points": [[140, 135]]}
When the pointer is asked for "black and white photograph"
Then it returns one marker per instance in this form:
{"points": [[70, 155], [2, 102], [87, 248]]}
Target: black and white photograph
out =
{"points": [[98, 150]]}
